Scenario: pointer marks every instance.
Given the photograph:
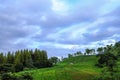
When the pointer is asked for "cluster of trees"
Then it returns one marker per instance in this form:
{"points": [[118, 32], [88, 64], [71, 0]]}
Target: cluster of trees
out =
{"points": [[54, 60], [100, 50], [108, 58], [78, 53], [89, 51], [17, 61]]}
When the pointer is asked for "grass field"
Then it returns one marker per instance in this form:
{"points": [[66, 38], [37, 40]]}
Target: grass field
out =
{"points": [[74, 68]]}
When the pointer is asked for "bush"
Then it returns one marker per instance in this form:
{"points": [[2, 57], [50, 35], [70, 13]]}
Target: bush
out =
{"points": [[6, 68], [7, 76], [18, 67], [27, 77], [99, 65], [10, 76], [49, 64]]}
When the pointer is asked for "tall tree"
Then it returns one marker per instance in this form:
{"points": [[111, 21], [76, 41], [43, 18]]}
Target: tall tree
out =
{"points": [[17, 63], [36, 58], [54, 60], [28, 61], [10, 58], [1, 58], [87, 51]]}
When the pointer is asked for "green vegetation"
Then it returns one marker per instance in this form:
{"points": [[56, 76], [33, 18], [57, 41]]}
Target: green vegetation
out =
{"points": [[109, 61], [17, 61], [74, 68], [34, 65]]}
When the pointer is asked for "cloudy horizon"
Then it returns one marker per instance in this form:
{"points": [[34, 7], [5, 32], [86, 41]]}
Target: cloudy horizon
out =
{"points": [[58, 26]]}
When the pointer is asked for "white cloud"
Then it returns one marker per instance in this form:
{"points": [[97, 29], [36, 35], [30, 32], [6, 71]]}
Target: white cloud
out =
{"points": [[76, 31], [68, 33], [115, 36], [66, 46], [59, 7]]}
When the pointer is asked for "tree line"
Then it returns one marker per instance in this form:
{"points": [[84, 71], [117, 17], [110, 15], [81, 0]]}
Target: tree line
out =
{"points": [[21, 59], [108, 58], [113, 48]]}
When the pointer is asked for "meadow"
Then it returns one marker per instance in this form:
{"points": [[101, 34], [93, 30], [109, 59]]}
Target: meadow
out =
{"points": [[74, 68]]}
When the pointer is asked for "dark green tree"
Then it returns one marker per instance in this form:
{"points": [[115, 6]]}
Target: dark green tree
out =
{"points": [[36, 58], [87, 51], [1, 58], [18, 65], [54, 60], [108, 60], [100, 50], [28, 59], [70, 55], [10, 58], [78, 53]]}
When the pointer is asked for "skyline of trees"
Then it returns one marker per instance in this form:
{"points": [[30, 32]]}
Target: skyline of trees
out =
{"points": [[38, 58], [114, 48], [25, 59]]}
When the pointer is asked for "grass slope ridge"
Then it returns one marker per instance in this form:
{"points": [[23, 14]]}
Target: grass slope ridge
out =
{"points": [[74, 68]]}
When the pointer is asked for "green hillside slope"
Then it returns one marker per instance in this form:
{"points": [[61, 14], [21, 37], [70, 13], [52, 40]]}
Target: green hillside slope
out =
{"points": [[74, 68]]}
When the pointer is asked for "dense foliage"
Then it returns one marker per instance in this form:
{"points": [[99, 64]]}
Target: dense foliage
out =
{"points": [[108, 60], [9, 76], [17, 61]]}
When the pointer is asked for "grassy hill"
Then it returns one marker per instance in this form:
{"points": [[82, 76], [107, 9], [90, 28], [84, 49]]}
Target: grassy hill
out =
{"points": [[74, 68]]}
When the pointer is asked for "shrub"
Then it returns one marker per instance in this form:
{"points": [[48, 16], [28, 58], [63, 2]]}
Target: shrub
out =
{"points": [[27, 77], [99, 65], [6, 68], [7, 76], [18, 67]]}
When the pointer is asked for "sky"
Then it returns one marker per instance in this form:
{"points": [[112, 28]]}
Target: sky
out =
{"points": [[58, 26]]}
